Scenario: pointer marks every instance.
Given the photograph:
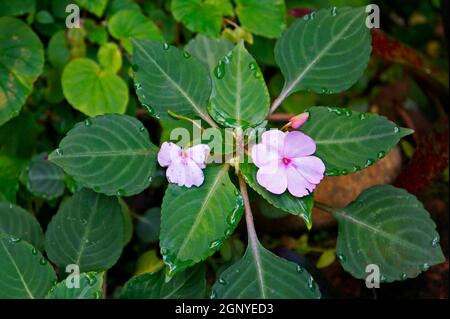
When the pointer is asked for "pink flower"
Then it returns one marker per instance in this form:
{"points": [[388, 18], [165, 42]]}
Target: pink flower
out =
{"points": [[299, 120], [184, 166], [285, 162]]}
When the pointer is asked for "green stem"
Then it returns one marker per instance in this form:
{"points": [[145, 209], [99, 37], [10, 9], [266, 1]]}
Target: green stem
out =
{"points": [[252, 238]]}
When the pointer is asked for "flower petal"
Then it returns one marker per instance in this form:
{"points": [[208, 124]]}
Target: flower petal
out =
{"points": [[297, 184], [185, 173], [298, 144], [198, 154], [263, 155], [167, 153], [311, 167], [273, 178], [274, 139]]}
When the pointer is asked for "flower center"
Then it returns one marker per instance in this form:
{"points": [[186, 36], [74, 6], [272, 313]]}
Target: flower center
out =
{"points": [[286, 161]]}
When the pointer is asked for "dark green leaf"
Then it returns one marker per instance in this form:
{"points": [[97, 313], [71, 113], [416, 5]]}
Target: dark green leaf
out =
{"points": [[91, 287], [147, 228], [208, 50]]}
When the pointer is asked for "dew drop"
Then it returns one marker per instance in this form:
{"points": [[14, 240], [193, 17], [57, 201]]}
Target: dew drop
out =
{"points": [[396, 129], [341, 258], [213, 295], [299, 269], [381, 154], [257, 74], [219, 71], [332, 172], [34, 251], [120, 192], [227, 59], [222, 281], [343, 172], [87, 122], [166, 46], [306, 17], [142, 129], [92, 280], [186, 54], [362, 116], [10, 206], [347, 112], [435, 242], [403, 276], [369, 163], [334, 11], [252, 66], [311, 283], [59, 152], [14, 239], [215, 244], [138, 86], [324, 91], [43, 261], [382, 278], [425, 267], [312, 15]]}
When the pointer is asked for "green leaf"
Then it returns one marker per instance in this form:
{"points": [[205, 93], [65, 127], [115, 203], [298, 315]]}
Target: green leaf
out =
{"points": [[325, 52], [58, 51], [86, 231], [45, 179], [390, 228], [94, 6], [110, 57], [127, 222], [239, 96], [17, 222], [149, 262], [111, 154], [21, 62], [147, 228], [24, 272], [208, 50], [92, 90], [10, 169], [196, 221], [189, 284], [202, 16], [95, 33], [128, 24], [16, 8], [261, 274], [167, 78], [297, 206], [250, 13], [326, 259], [350, 141], [44, 17], [91, 287]]}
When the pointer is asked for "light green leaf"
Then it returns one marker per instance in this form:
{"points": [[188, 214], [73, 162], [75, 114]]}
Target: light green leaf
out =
{"points": [[202, 16], [45, 179], [91, 287], [115, 6], [58, 51], [167, 78], [95, 6], [250, 13], [110, 57], [92, 90], [326, 259], [189, 284], [196, 221], [325, 52], [239, 96], [17, 222], [16, 8], [147, 228], [24, 272], [21, 62], [128, 24], [149, 262], [111, 154], [297, 206], [390, 228], [261, 274], [86, 231], [350, 141], [208, 50]]}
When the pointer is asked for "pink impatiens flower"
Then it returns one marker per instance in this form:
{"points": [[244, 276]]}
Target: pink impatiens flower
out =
{"points": [[285, 162], [184, 166]]}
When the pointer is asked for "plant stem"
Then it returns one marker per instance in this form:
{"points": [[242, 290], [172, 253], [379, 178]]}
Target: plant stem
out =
{"points": [[252, 238], [283, 95], [326, 208], [280, 117]]}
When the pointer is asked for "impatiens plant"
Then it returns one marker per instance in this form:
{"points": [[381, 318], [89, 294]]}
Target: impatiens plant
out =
{"points": [[219, 150]]}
